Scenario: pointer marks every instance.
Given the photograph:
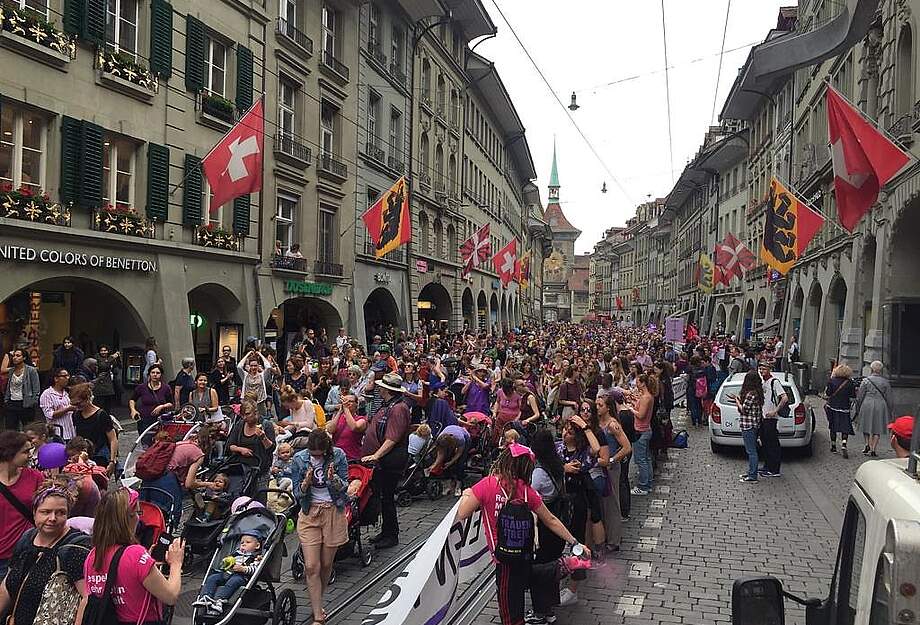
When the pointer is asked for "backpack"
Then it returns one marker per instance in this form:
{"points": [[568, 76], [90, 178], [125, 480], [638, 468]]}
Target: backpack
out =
{"points": [[681, 440], [700, 387], [563, 506], [515, 531], [152, 464]]}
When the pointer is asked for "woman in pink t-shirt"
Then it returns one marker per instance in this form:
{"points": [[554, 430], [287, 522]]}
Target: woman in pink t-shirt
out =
{"points": [[347, 429], [507, 406], [140, 589], [510, 480]]}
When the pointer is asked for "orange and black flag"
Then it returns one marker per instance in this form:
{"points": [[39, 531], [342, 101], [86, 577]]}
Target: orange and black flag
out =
{"points": [[388, 220], [790, 225]]}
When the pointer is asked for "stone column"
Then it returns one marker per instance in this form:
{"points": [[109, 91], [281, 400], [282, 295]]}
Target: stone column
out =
{"points": [[875, 345], [851, 339]]}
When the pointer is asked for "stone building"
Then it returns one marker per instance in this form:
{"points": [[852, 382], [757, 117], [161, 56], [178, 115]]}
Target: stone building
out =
{"points": [[558, 304]]}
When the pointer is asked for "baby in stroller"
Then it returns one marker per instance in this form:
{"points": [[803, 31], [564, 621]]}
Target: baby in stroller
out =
{"points": [[281, 467], [212, 498], [233, 573]]}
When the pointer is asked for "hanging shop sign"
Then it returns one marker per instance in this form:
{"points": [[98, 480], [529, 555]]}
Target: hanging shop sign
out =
{"points": [[25, 254], [421, 266], [296, 287]]}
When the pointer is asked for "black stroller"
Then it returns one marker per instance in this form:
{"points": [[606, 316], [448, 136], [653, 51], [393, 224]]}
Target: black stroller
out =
{"points": [[257, 602], [200, 534], [416, 484]]}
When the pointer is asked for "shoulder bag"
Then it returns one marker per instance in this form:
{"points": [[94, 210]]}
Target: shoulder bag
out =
{"points": [[60, 598], [99, 609], [887, 405]]}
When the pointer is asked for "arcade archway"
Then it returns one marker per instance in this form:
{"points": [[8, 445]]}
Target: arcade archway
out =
{"points": [[381, 313], [482, 311], [214, 313], [467, 309], [434, 307]]}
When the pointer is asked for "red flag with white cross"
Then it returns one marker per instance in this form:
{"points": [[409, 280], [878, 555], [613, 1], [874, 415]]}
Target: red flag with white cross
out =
{"points": [[864, 159], [504, 262], [234, 166]]}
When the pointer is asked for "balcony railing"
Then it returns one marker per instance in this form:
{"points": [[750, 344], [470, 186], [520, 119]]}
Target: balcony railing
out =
{"points": [[331, 164], [902, 128], [394, 162], [396, 71], [217, 238], [376, 152], [295, 35], [325, 268], [32, 205], [396, 256], [426, 99], [288, 144], [123, 222], [425, 180], [334, 64], [36, 35], [288, 263], [373, 49], [440, 187]]}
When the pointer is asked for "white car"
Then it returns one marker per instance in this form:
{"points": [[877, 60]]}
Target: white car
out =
{"points": [[795, 431]]}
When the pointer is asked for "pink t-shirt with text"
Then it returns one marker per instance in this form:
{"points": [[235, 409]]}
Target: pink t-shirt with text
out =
{"points": [[129, 595], [492, 498]]}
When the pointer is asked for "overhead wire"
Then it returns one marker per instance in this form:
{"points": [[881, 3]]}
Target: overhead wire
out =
{"points": [[715, 96], [561, 104], [667, 88]]}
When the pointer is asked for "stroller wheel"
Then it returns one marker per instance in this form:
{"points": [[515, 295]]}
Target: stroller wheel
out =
{"points": [[285, 608], [404, 499], [367, 556], [297, 565], [435, 490]]}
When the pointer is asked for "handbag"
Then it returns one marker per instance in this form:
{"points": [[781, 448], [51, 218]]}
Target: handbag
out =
{"points": [[99, 609], [60, 598]]}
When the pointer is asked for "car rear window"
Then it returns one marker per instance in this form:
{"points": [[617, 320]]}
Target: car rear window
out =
{"points": [[725, 391]]}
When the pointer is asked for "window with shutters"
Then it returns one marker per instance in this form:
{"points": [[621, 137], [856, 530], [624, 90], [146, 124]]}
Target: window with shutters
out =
{"points": [[285, 219], [121, 26], [23, 148], [215, 73], [325, 248], [118, 160]]}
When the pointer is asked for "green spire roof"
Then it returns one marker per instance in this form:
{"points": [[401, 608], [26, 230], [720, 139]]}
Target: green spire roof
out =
{"points": [[554, 174]]}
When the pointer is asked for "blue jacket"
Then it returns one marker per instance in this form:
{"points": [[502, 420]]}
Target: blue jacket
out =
{"points": [[338, 486]]}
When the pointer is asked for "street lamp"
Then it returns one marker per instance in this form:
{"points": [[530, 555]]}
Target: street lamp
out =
{"points": [[573, 105]]}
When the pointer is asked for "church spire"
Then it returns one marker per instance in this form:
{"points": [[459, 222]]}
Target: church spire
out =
{"points": [[554, 178]]}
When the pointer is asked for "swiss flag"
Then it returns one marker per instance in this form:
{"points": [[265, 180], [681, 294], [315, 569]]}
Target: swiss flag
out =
{"points": [[234, 166], [504, 261], [864, 159]]}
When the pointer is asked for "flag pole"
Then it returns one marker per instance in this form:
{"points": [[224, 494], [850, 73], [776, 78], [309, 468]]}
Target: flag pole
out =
{"points": [[224, 136], [874, 122], [798, 196]]}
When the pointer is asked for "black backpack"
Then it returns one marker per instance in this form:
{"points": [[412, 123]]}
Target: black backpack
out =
{"points": [[101, 610], [515, 531]]}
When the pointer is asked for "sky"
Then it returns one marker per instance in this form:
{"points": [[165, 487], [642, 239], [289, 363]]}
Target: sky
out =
{"points": [[581, 46]]}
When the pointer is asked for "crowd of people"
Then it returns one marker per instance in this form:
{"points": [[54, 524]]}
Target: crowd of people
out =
{"points": [[541, 421]]}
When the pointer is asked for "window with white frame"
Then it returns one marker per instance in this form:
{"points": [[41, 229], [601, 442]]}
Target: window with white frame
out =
{"points": [[397, 42], [373, 27], [121, 26], [329, 26], [373, 112], [215, 67], [288, 11], [285, 219], [213, 218], [23, 143], [396, 134], [118, 160], [37, 6], [325, 245], [287, 111], [327, 128]]}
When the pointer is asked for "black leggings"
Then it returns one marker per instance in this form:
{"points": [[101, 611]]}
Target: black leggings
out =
{"points": [[512, 580]]}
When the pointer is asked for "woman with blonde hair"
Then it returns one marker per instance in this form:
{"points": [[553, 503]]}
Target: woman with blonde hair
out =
{"points": [[840, 391], [139, 589]]}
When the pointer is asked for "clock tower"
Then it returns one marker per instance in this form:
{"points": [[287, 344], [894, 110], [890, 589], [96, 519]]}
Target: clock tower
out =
{"points": [[559, 266]]}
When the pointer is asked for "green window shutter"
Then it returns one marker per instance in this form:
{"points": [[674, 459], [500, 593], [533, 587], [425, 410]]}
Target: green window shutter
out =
{"points": [[191, 201], [157, 182], [89, 194], [71, 142], [243, 78], [241, 215], [73, 16], [161, 26], [195, 44], [94, 22]]}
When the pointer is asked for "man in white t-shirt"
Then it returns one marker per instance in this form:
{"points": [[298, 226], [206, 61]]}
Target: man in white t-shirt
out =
{"points": [[778, 355], [774, 400]]}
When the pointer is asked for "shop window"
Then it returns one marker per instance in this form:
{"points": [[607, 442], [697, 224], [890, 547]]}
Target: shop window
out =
{"points": [[285, 219], [118, 161], [215, 74], [121, 26], [325, 249], [23, 138]]}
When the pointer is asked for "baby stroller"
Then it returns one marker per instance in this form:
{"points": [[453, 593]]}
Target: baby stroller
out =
{"points": [[482, 448], [257, 602], [360, 512], [180, 426], [155, 532], [200, 534], [416, 484]]}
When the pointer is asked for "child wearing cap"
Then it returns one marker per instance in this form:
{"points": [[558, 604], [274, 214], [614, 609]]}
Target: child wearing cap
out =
{"points": [[233, 573], [902, 431]]}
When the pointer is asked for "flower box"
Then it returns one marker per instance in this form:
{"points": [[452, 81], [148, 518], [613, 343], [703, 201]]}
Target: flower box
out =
{"points": [[217, 110], [124, 74], [206, 236], [31, 35], [121, 221], [30, 206]]}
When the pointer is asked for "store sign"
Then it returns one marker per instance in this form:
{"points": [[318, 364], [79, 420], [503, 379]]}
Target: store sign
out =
{"points": [[31, 332], [296, 287], [421, 266], [24, 254]]}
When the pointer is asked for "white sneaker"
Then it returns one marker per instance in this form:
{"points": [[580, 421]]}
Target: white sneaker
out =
{"points": [[567, 597], [202, 602], [639, 491]]}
